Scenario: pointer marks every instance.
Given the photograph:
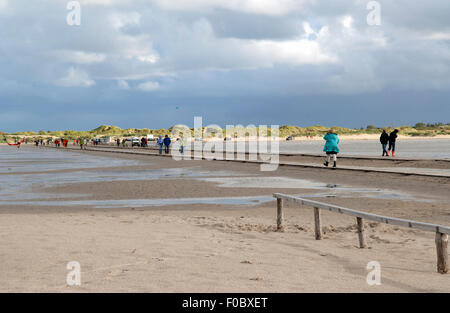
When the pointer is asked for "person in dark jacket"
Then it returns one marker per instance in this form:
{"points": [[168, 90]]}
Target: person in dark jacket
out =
{"points": [[384, 139], [392, 140], [167, 142]]}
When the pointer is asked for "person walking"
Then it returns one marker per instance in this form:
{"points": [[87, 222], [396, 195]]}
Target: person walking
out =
{"points": [[81, 141], [167, 142], [160, 143], [118, 142], [331, 147], [392, 141], [182, 141], [384, 139]]}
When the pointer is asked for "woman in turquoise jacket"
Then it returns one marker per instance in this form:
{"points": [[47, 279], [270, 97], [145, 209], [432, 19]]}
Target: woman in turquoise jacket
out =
{"points": [[331, 147]]}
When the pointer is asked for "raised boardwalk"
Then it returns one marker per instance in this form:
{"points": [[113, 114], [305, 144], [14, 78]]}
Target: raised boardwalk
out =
{"points": [[425, 172]]}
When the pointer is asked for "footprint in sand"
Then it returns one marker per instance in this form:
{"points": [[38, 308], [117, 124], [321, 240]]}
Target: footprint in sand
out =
{"points": [[378, 239], [256, 279], [246, 262], [116, 272]]}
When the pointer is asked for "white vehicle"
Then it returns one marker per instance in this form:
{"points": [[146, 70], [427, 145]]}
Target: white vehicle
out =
{"points": [[135, 141]]}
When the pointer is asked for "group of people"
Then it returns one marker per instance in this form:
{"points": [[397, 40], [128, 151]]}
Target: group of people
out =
{"points": [[164, 143], [331, 148], [390, 139]]}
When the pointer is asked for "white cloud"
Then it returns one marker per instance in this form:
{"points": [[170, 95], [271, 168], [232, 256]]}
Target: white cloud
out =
{"points": [[79, 57], [149, 86], [105, 2], [121, 19], [138, 46], [3, 6], [347, 21], [293, 52], [76, 78], [438, 36], [123, 84], [266, 7], [150, 40]]}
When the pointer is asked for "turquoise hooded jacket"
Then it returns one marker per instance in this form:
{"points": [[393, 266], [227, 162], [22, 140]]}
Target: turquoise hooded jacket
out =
{"points": [[332, 143]]}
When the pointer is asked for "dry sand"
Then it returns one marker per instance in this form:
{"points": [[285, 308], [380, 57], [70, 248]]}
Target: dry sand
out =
{"points": [[221, 248]]}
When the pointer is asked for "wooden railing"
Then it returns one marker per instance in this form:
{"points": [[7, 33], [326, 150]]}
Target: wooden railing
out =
{"points": [[441, 232]]}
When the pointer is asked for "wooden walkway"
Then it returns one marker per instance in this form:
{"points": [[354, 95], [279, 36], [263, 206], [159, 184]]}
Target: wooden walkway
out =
{"points": [[424, 172]]}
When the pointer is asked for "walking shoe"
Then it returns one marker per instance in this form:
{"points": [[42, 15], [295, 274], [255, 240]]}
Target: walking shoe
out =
{"points": [[326, 164]]}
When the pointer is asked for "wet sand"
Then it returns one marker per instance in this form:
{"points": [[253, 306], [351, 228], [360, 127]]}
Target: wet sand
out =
{"points": [[217, 247]]}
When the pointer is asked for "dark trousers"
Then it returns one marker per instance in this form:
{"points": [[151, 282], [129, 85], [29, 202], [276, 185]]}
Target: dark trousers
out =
{"points": [[384, 145], [166, 149], [392, 146]]}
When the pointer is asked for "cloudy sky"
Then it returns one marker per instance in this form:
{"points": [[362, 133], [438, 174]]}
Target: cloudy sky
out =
{"points": [[156, 63]]}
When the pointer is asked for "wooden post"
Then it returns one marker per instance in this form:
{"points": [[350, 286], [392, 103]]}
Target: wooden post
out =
{"points": [[442, 253], [362, 239], [279, 214], [317, 227]]}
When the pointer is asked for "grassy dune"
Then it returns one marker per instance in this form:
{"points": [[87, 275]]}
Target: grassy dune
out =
{"points": [[420, 129]]}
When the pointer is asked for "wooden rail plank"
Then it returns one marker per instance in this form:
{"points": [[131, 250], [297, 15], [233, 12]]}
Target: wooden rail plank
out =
{"points": [[441, 238], [369, 216]]}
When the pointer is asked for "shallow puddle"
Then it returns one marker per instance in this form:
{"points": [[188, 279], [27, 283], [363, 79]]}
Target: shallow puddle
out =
{"points": [[27, 159], [128, 203], [333, 190]]}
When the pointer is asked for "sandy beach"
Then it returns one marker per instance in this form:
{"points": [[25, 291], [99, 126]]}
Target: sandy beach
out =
{"points": [[181, 242]]}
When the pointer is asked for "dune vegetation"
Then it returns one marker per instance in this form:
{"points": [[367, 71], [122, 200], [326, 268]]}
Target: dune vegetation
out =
{"points": [[420, 129]]}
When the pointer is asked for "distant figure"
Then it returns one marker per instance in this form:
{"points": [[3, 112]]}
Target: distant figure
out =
{"points": [[331, 147], [124, 142], [392, 140], [384, 139], [81, 141], [160, 143], [167, 142], [182, 144], [118, 142]]}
